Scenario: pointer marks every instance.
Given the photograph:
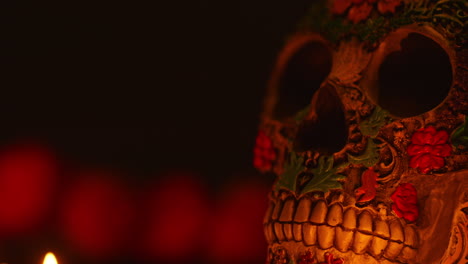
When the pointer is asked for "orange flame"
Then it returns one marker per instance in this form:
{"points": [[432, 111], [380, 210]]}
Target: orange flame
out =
{"points": [[50, 258]]}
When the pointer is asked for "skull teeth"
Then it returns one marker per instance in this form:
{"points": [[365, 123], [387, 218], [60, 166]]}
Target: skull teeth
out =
{"points": [[361, 241], [325, 236], [344, 238], [297, 232], [303, 210], [288, 210], [314, 223], [288, 231], [310, 234], [335, 215], [319, 212], [378, 246]]}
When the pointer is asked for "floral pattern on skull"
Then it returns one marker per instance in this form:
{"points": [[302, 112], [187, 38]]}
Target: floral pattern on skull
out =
{"points": [[362, 113], [428, 149]]}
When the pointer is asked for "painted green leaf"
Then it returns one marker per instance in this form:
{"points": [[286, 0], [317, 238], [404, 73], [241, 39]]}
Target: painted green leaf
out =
{"points": [[443, 14], [292, 169], [302, 114], [370, 127], [324, 176], [372, 30], [460, 136], [370, 156], [292, 261]]}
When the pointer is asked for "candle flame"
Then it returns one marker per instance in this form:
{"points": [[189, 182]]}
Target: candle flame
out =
{"points": [[50, 258]]}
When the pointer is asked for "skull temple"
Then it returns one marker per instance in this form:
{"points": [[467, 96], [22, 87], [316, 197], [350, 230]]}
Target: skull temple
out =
{"points": [[365, 127]]}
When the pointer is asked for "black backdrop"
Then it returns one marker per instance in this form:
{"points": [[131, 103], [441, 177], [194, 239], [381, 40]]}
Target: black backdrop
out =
{"points": [[141, 87]]}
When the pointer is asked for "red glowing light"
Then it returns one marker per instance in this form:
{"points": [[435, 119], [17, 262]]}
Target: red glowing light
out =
{"points": [[27, 181], [97, 215], [237, 231], [178, 210]]}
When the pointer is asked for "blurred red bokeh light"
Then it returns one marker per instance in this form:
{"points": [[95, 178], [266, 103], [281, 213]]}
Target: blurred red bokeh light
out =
{"points": [[28, 176], [97, 215], [177, 212], [236, 230]]}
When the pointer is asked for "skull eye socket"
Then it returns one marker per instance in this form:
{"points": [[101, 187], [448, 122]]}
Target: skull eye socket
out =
{"points": [[414, 79], [327, 133], [301, 75]]}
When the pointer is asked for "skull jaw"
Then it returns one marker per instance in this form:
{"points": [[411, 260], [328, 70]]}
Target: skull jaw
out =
{"points": [[356, 238], [442, 205], [354, 234]]}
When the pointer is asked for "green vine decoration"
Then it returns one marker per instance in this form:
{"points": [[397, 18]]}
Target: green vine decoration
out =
{"points": [[369, 158], [292, 169], [302, 114], [324, 176], [460, 136], [450, 17], [371, 126]]}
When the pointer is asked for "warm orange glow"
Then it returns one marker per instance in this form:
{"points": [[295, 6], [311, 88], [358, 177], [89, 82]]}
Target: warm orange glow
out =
{"points": [[50, 259]]}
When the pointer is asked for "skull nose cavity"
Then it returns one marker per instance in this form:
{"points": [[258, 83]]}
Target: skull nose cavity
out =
{"points": [[327, 133], [416, 78], [300, 77]]}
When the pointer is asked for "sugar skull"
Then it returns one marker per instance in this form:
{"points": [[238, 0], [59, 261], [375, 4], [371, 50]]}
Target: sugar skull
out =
{"points": [[365, 127]]}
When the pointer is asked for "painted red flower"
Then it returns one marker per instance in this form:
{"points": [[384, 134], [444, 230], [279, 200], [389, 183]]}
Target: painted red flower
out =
{"points": [[280, 256], [405, 202], [428, 148], [330, 260], [264, 153], [360, 9], [367, 191], [306, 258]]}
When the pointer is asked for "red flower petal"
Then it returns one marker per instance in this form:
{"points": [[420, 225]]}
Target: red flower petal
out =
{"points": [[412, 215], [405, 202], [360, 12], [259, 138], [258, 163], [339, 6], [408, 203], [437, 162], [388, 6], [427, 138], [414, 161], [263, 140], [257, 151], [270, 155], [430, 130], [264, 153], [261, 164], [441, 150], [418, 138], [414, 150], [367, 190], [425, 163], [428, 149], [397, 211], [424, 136], [440, 137]]}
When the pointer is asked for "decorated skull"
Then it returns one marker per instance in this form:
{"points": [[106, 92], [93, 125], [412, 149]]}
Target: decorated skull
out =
{"points": [[365, 126]]}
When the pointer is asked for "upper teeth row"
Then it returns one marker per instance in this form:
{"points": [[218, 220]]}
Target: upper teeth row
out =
{"points": [[315, 223]]}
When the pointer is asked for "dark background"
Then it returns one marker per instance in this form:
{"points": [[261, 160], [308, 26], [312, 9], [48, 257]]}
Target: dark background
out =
{"points": [[139, 87]]}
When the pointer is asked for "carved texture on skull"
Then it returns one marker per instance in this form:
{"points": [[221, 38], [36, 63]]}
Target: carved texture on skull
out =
{"points": [[367, 137]]}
